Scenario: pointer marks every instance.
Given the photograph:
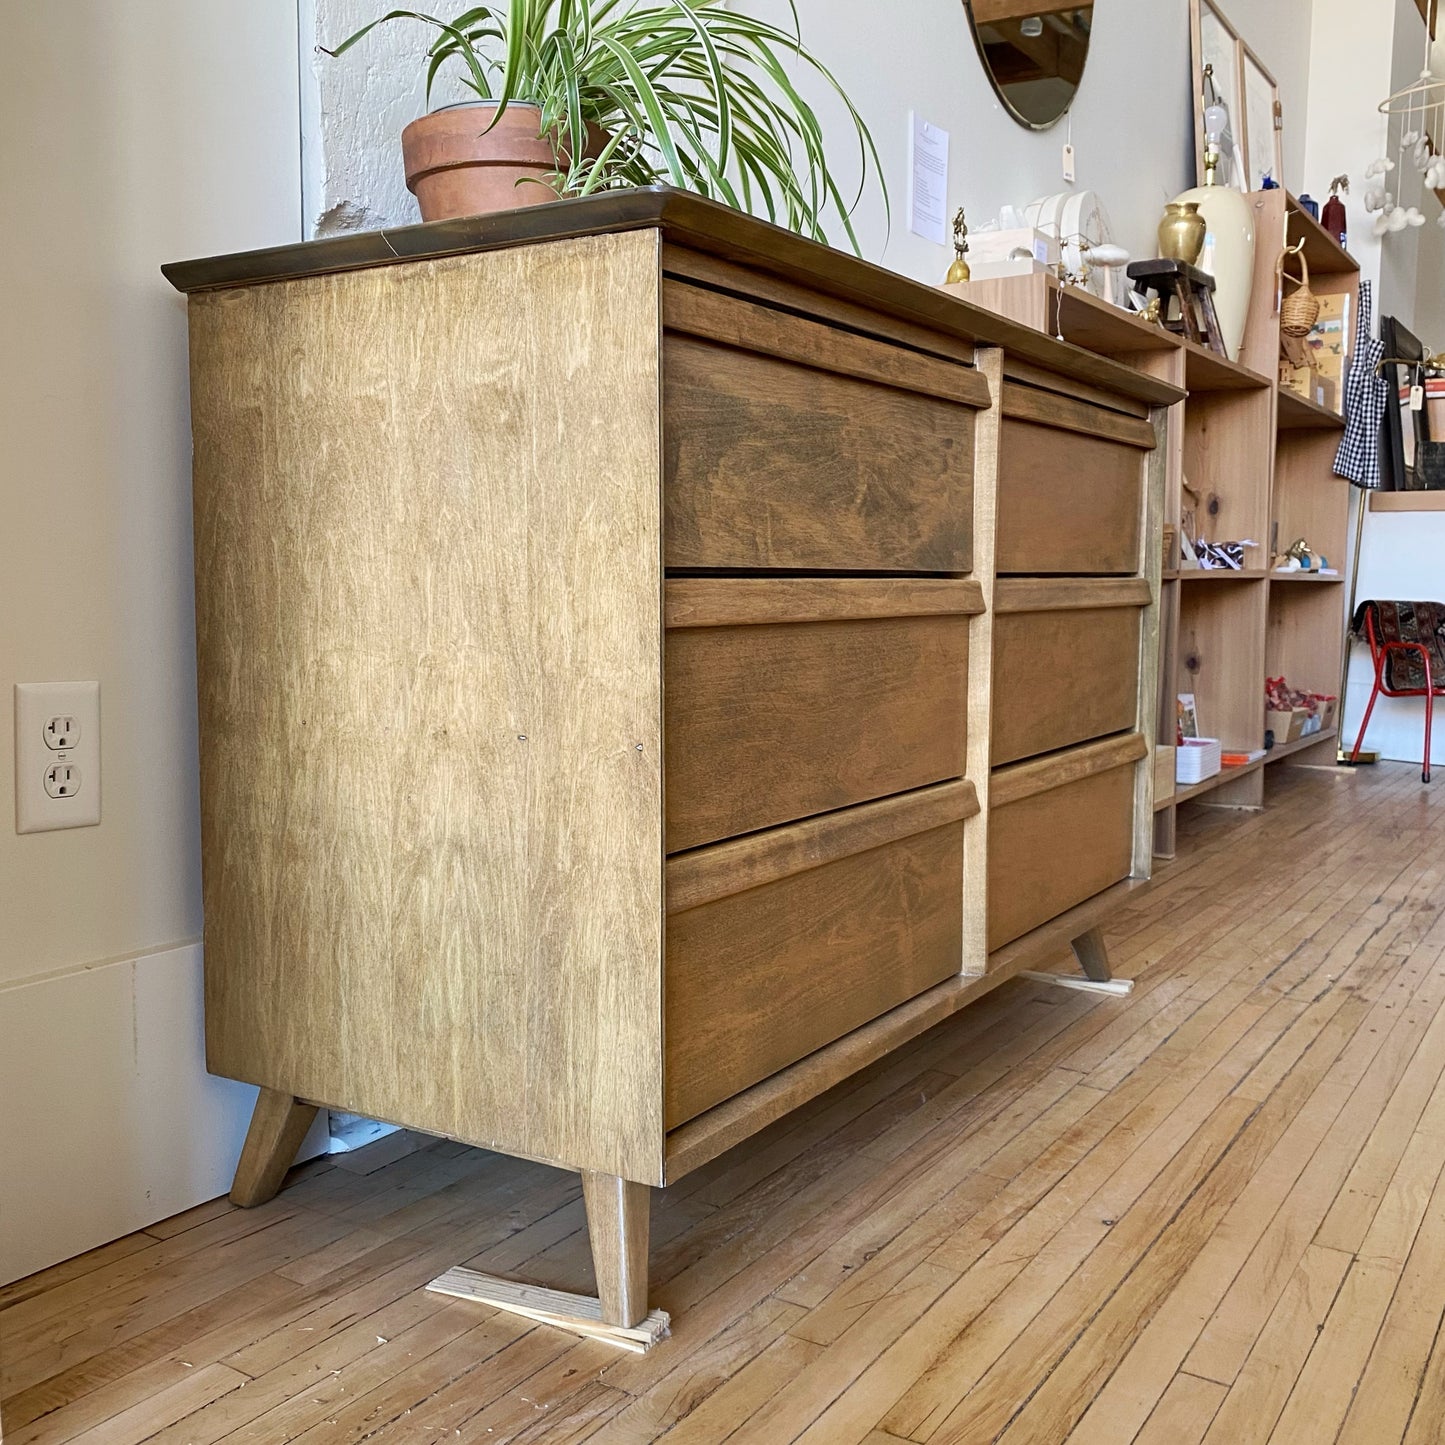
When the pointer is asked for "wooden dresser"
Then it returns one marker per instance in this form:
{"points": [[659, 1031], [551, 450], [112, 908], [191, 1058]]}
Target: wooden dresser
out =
{"points": [[650, 667]]}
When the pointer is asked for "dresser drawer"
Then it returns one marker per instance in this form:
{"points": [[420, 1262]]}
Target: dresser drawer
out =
{"points": [[1070, 487], [781, 943], [794, 446], [1065, 662], [1061, 829], [786, 697]]}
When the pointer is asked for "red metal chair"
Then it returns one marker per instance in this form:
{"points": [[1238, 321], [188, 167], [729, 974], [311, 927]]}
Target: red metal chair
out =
{"points": [[1380, 656]]}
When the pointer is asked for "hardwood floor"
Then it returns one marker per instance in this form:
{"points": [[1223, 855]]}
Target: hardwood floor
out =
{"points": [[1212, 1212]]}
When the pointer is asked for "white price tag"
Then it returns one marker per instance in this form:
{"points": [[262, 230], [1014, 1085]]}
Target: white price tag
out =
{"points": [[1069, 164], [1417, 398]]}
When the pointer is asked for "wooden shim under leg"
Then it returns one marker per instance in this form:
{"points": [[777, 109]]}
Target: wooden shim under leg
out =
{"points": [[1114, 987], [579, 1313], [1093, 955], [278, 1125]]}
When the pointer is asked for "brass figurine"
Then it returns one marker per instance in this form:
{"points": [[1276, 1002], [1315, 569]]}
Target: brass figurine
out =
{"points": [[959, 270]]}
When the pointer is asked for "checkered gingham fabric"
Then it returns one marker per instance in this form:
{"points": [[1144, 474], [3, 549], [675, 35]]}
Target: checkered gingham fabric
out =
{"points": [[1366, 397]]}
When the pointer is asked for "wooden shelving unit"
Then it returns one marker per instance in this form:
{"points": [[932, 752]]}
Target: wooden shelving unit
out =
{"points": [[1305, 627], [1260, 458]]}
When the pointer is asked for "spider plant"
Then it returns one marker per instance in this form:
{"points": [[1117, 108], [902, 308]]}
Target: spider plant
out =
{"points": [[649, 92]]}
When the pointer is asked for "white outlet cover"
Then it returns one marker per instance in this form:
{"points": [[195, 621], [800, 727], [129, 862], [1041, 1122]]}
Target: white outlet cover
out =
{"points": [[35, 704]]}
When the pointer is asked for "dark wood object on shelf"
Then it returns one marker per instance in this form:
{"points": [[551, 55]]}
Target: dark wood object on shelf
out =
{"points": [[1191, 290]]}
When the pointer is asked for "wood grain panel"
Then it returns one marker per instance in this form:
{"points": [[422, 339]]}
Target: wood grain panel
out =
{"points": [[429, 653], [758, 980], [1068, 502], [743, 601], [1066, 594], [707, 874], [1156, 482], [1053, 850], [1062, 678], [1038, 775], [1072, 413], [729, 278], [767, 723], [731, 321], [980, 670], [770, 464]]}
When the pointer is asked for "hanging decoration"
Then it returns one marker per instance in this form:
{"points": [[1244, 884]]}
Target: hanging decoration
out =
{"points": [[1414, 116]]}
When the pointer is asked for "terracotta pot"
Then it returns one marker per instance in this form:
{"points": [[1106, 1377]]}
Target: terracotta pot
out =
{"points": [[456, 166]]}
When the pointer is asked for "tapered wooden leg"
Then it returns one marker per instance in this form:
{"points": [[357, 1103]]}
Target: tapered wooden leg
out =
{"points": [[1093, 956], [617, 1224], [278, 1126]]}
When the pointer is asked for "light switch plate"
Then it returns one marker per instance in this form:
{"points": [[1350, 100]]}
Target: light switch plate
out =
{"points": [[57, 787]]}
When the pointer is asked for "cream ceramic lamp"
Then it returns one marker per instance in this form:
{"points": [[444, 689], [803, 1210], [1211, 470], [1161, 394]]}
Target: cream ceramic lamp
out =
{"points": [[1228, 253]]}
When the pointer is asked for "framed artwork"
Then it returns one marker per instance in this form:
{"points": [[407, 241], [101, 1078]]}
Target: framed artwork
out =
{"points": [[1254, 143]]}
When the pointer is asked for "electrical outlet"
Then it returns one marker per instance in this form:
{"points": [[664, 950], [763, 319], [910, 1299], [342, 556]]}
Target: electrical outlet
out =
{"points": [[62, 780], [57, 755], [62, 733]]}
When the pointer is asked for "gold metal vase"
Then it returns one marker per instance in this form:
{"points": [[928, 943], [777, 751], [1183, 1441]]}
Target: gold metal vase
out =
{"points": [[1182, 232]]}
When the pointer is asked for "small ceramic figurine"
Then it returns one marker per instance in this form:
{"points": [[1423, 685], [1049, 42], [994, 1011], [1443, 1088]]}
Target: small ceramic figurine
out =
{"points": [[959, 270], [1301, 558]]}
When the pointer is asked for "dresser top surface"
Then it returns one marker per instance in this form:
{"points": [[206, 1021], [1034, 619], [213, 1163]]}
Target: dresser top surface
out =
{"points": [[687, 220]]}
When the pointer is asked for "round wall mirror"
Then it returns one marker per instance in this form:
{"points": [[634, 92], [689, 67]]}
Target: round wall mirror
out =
{"points": [[1034, 52]]}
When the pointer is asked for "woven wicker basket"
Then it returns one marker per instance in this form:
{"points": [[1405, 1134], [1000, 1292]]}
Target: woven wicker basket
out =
{"points": [[1298, 313]]}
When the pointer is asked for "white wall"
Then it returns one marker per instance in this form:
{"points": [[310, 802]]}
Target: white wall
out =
{"points": [[1131, 121], [129, 135]]}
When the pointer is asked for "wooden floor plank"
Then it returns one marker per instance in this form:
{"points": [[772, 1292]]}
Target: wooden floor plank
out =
{"points": [[146, 1419], [1183, 1413], [1260, 1390], [1213, 1212]]}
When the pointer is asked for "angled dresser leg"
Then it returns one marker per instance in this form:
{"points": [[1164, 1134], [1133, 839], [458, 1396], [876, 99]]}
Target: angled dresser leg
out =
{"points": [[617, 1224], [1093, 956], [278, 1126]]}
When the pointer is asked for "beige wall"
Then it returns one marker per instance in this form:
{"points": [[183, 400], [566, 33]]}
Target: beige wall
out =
{"points": [[130, 134]]}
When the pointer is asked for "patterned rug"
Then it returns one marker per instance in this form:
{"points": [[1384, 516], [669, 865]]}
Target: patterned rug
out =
{"points": [[1407, 622]]}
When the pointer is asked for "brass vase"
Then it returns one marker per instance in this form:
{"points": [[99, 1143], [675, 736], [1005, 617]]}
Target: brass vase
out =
{"points": [[1182, 232]]}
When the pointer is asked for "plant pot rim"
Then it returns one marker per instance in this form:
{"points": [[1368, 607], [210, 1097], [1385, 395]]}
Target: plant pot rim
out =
{"points": [[482, 104]]}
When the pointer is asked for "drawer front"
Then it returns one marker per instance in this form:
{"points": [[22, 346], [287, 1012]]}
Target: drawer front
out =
{"points": [[756, 979], [1062, 678], [797, 447], [771, 721], [1056, 848], [1069, 502]]}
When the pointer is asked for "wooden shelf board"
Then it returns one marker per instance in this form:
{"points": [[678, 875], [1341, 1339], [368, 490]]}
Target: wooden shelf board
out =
{"points": [[1097, 326], [1325, 255], [1318, 578], [1283, 750], [1224, 775], [1217, 574], [1407, 501], [1299, 413], [1205, 370]]}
